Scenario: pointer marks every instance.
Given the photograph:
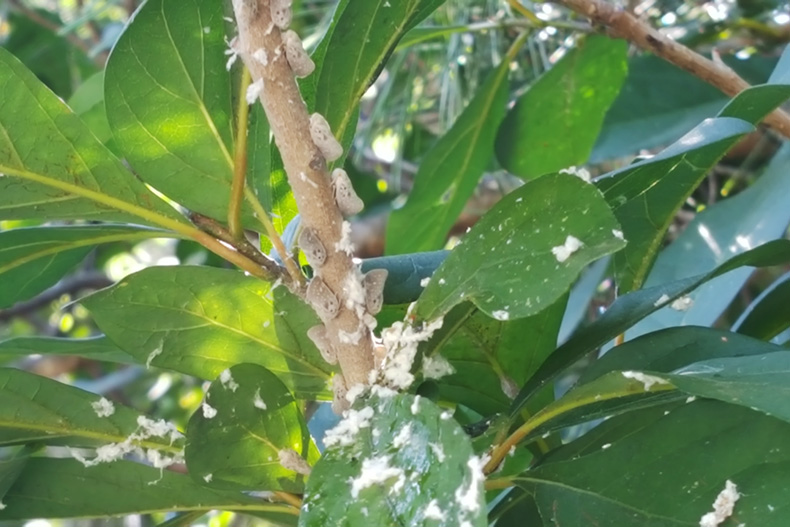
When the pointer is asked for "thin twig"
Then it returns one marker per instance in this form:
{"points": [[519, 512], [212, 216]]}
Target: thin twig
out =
{"points": [[623, 24], [239, 161]]}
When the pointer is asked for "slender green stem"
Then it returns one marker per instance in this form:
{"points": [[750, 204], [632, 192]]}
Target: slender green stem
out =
{"points": [[526, 13], [498, 483], [240, 160], [291, 499]]}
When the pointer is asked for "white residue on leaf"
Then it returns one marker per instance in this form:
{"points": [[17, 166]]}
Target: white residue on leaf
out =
{"points": [[663, 299], [146, 429], [403, 436], [103, 407], [257, 400], [152, 356], [376, 471], [345, 245], [564, 251], [647, 380], [209, 412], [401, 341], [723, 506], [415, 405], [208, 477], [346, 430], [354, 392], [226, 378], [254, 91], [618, 234], [438, 451], [682, 304], [581, 173], [501, 314], [436, 367], [2, 506], [291, 460], [468, 496], [425, 281], [433, 511]]}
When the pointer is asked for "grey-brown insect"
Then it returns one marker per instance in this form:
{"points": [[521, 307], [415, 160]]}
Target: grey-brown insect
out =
{"points": [[311, 246], [281, 13], [318, 335], [339, 391], [323, 300], [374, 289], [323, 138], [346, 198], [301, 63]]}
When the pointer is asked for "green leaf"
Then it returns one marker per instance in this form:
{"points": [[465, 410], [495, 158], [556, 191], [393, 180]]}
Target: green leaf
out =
{"points": [[63, 488], [170, 103], [674, 348], [645, 196], [35, 408], [56, 169], [768, 315], [505, 265], [256, 417], [201, 321], [630, 308], [667, 473], [34, 258], [754, 103], [729, 227], [96, 348], [87, 101], [361, 40], [555, 123], [10, 469], [407, 450], [450, 171], [659, 103]]}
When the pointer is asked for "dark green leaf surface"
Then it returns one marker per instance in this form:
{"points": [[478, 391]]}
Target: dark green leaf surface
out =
{"points": [[34, 258], [361, 40], [410, 466], [55, 168], [555, 124], [450, 171], [753, 217], [405, 273], [630, 308], [674, 348], [201, 321], [169, 101], [256, 417], [669, 472], [769, 314], [659, 103], [34, 408], [96, 348], [645, 196], [63, 488], [505, 264], [10, 469]]}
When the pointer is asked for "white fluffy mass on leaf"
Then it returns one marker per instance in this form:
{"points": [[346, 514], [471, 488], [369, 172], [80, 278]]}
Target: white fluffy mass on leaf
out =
{"points": [[564, 251], [436, 367], [346, 430], [723, 507], [103, 407], [376, 471], [401, 341]]}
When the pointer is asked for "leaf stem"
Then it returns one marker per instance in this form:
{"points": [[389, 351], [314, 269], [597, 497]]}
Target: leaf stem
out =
{"points": [[526, 13], [498, 483], [291, 499], [239, 160]]}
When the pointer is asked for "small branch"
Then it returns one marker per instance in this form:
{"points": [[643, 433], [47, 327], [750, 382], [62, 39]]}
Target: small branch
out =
{"points": [[623, 24], [239, 161], [67, 286], [261, 46], [291, 499]]}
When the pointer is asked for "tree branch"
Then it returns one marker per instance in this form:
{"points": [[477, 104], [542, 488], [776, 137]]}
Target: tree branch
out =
{"points": [[623, 24], [260, 45]]}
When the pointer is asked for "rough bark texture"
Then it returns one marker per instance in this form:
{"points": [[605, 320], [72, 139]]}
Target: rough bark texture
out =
{"points": [[307, 172]]}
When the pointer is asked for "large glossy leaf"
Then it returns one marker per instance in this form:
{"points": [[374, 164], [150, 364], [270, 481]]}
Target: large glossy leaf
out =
{"points": [[668, 473], [506, 266], [408, 466], [730, 227], [10, 469], [169, 102], [55, 168], [555, 123], [630, 308], [769, 314], [35, 258], [34, 408], [95, 348], [63, 488], [88, 102], [362, 38], [659, 103], [645, 196], [405, 272], [237, 447], [449, 172], [201, 321]]}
